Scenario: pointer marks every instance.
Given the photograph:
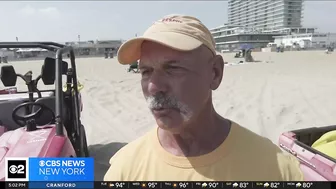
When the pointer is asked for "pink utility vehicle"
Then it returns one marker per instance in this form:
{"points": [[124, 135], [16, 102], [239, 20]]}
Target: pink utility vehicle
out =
{"points": [[8, 90], [316, 165], [42, 123]]}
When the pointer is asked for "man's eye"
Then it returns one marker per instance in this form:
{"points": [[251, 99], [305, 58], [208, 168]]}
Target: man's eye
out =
{"points": [[143, 72], [174, 67]]}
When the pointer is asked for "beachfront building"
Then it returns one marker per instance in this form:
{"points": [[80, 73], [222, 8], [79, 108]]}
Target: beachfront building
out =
{"points": [[110, 45], [231, 37], [97, 47], [267, 14], [307, 40], [4, 52], [256, 23]]}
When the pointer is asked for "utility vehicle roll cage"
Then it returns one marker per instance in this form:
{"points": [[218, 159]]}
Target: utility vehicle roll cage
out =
{"points": [[59, 49]]}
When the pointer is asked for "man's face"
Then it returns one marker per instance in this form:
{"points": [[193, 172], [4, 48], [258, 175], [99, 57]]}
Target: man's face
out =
{"points": [[175, 84]]}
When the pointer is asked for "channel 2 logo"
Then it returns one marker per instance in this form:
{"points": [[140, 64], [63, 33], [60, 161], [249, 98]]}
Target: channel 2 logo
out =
{"points": [[17, 169]]}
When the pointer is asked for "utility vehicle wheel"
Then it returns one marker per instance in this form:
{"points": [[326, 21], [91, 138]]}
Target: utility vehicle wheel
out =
{"points": [[83, 148]]}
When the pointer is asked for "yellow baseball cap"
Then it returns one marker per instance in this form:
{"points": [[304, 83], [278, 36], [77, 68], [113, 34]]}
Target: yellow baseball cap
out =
{"points": [[179, 32]]}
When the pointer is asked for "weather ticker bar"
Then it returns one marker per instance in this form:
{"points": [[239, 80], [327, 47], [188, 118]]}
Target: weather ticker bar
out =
{"points": [[168, 185], [210, 185]]}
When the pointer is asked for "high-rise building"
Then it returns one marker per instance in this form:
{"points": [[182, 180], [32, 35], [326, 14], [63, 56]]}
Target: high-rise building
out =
{"points": [[270, 14]]}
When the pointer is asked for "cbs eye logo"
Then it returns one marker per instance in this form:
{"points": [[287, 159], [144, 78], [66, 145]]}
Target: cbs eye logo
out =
{"points": [[20, 169], [16, 169]]}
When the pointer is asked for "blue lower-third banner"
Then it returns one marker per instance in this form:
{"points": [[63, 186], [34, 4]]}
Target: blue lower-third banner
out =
{"points": [[61, 169], [61, 185]]}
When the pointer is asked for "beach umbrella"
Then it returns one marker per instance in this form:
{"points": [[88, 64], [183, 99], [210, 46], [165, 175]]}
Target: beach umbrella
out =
{"points": [[245, 47]]}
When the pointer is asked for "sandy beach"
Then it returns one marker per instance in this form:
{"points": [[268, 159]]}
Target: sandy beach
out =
{"points": [[284, 91]]}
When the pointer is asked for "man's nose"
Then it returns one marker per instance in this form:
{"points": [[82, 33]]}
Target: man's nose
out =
{"points": [[157, 83]]}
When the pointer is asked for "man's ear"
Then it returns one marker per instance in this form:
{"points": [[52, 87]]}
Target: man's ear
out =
{"points": [[217, 71]]}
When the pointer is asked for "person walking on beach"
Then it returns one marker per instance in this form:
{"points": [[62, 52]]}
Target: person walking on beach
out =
{"points": [[179, 70]]}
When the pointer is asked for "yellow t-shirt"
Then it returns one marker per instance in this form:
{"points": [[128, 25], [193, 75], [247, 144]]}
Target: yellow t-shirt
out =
{"points": [[243, 156]]}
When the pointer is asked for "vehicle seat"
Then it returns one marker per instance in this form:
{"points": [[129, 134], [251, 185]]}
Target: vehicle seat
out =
{"points": [[46, 116], [6, 109], [327, 144]]}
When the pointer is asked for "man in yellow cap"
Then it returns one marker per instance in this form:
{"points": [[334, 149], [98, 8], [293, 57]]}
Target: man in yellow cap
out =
{"points": [[192, 142]]}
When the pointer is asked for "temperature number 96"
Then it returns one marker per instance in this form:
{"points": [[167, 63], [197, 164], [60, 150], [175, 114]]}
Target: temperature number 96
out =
{"points": [[183, 184]]}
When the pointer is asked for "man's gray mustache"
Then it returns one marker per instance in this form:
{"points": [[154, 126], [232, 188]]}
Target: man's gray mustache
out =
{"points": [[162, 101]]}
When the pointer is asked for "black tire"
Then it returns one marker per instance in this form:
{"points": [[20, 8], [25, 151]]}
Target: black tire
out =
{"points": [[83, 148]]}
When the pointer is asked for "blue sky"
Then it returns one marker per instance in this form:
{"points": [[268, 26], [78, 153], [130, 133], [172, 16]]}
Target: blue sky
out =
{"points": [[64, 21]]}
